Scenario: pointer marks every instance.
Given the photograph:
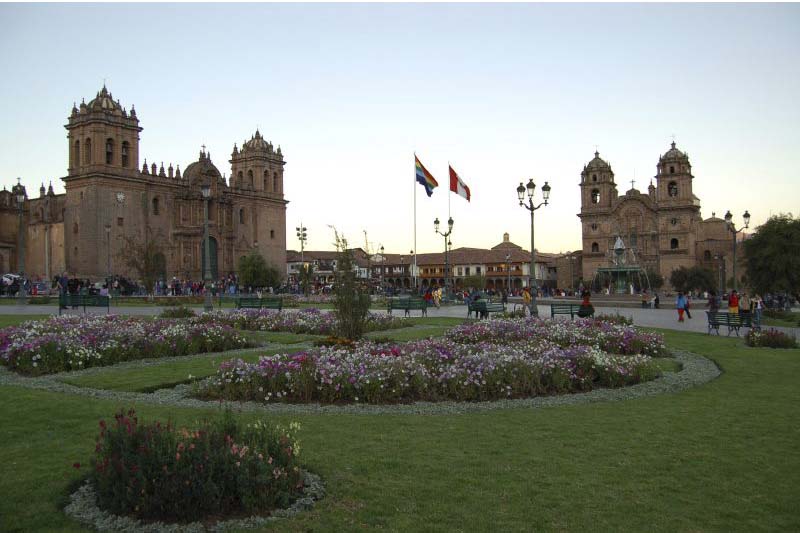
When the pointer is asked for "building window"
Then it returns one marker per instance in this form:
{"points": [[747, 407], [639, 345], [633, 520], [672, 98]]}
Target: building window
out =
{"points": [[250, 179], [109, 151], [87, 149], [120, 221], [672, 189], [75, 228], [274, 182], [76, 157], [673, 244], [674, 221], [594, 226], [75, 250], [272, 234], [460, 271], [240, 179], [124, 153], [478, 271], [707, 255], [595, 248], [594, 177], [241, 215], [595, 196], [466, 270], [155, 206], [672, 170]]}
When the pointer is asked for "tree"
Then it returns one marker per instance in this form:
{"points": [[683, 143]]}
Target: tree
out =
{"points": [[306, 276], [254, 271], [351, 301], [772, 256], [692, 279], [145, 257], [656, 279]]}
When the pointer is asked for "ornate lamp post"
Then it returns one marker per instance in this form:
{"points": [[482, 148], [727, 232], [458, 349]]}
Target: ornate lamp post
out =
{"points": [[302, 236], [721, 269], [21, 243], [572, 273], [108, 250], [383, 263], [734, 231], [446, 252], [531, 187], [205, 189]]}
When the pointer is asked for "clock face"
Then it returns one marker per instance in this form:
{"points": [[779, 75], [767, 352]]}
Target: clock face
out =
{"points": [[120, 197]]}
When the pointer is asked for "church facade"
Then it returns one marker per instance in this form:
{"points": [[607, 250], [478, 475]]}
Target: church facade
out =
{"points": [[110, 201], [662, 227]]}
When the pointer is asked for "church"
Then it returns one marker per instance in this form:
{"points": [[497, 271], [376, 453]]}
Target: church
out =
{"points": [[110, 199], [662, 227]]}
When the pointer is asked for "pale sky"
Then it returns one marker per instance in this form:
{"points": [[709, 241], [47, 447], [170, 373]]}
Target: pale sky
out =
{"points": [[350, 91]]}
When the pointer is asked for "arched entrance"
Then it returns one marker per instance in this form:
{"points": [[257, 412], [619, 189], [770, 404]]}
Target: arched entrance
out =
{"points": [[213, 249]]}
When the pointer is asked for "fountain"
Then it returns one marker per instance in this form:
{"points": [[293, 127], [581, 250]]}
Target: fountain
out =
{"points": [[623, 271]]}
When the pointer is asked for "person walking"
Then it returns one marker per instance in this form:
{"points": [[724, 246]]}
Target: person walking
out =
{"points": [[688, 304], [680, 305], [758, 308], [733, 303], [713, 303], [745, 305], [62, 290]]}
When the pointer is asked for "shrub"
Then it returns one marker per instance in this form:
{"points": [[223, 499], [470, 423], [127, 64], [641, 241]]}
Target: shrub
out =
{"points": [[351, 303], [779, 314], [772, 338], [222, 468], [177, 312], [615, 319], [39, 300]]}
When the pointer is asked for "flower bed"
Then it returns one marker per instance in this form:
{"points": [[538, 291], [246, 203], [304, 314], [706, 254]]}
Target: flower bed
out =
{"points": [[486, 361], [220, 469], [771, 338], [310, 321], [75, 342]]}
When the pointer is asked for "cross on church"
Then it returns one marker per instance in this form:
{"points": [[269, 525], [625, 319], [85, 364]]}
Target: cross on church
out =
{"points": [[203, 146], [632, 182]]}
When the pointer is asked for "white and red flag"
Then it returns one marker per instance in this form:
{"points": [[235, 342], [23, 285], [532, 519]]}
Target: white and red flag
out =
{"points": [[457, 186]]}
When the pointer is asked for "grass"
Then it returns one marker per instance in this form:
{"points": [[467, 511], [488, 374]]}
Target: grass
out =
{"points": [[13, 320], [721, 457]]}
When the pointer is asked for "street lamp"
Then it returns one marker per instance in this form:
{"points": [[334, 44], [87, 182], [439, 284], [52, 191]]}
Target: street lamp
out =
{"points": [[571, 273], [734, 231], [383, 263], [412, 263], [531, 187], [205, 189], [21, 243], [108, 251], [721, 269], [446, 252]]}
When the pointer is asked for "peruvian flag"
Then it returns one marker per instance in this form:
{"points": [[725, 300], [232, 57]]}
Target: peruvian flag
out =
{"points": [[457, 186]]}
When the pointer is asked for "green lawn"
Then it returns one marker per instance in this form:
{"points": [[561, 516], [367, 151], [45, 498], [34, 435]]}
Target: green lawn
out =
{"points": [[720, 457], [13, 320]]}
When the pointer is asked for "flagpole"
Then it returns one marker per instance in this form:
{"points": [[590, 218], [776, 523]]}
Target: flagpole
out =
{"points": [[413, 272]]}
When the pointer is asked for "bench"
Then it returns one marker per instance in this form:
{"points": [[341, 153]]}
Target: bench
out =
{"points": [[564, 309], [734, 321], [407, 304], [482, 308], [83, 300], [259, 303]]}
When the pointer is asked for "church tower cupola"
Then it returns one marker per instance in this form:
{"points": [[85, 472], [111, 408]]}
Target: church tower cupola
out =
{"points": [[598, 189], [103, 137], [257, 167], [674, 177]]}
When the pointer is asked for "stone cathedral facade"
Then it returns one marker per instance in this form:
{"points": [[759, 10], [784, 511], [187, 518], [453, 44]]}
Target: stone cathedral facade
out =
{"points": [[110, 197], [663, 226]]}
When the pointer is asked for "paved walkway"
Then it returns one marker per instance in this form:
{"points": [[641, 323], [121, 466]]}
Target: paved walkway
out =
{"points": [[657, 318]]}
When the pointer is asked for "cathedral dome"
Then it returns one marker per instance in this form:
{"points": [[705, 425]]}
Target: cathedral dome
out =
{"points": [[104, 102], [597, 163], [201, 170]]}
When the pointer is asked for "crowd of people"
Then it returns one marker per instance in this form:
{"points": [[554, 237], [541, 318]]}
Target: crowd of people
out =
{"points": [[741, 304]]}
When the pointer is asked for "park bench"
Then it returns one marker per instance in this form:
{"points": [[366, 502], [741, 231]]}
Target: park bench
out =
{"points": [[407, 304], [733, 321], [482, 308], [564, 309], [83, 300], [259, 303]]}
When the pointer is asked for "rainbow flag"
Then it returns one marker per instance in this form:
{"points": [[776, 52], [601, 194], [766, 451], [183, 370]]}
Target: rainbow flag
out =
{"points": [[424, 177]]}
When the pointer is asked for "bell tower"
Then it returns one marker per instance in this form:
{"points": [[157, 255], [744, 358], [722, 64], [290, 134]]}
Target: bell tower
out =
{"points": [[598, 189], [257, 167], [674, 178], [103, 137]]}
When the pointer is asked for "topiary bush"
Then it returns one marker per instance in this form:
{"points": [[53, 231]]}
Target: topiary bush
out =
{"points": [[771, 338], [222, 468]]}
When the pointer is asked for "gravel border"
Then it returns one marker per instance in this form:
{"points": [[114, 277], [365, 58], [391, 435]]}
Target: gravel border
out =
{"points": [[83, 508], [696, 370]]}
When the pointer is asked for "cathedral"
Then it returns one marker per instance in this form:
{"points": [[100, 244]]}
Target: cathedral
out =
{"points": [[110, 200], [662, 227]]}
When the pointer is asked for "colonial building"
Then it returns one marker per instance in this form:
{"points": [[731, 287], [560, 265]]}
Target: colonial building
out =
{"points": [[110, 200], [662, 227]]}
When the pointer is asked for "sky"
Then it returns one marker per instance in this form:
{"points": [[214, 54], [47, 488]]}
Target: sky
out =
{"points": [[503, 92]]}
